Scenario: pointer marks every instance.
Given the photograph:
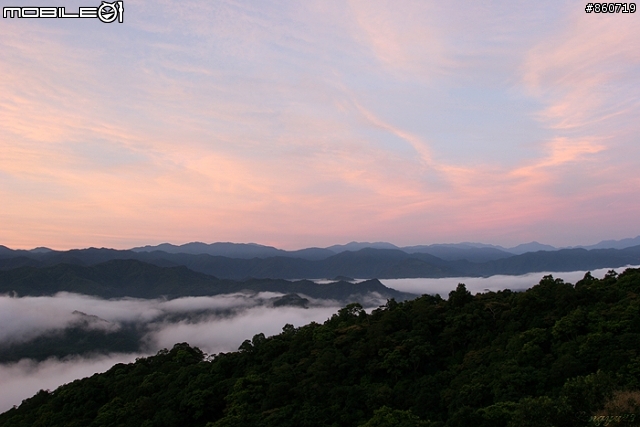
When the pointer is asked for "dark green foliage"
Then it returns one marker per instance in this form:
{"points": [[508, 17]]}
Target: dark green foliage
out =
{"points": [[387, 417], [551, 356]]}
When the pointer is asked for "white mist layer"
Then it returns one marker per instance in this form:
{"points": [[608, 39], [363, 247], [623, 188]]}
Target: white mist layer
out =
{"points": [[243, 317], [25, 318], [217, 335], [25, 378], [493, 283]]}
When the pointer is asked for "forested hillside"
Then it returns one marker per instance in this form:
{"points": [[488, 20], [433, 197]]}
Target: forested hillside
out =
{"points": [[555, 355]]}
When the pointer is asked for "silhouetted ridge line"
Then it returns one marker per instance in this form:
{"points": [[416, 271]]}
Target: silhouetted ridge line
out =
{"points": [[364, 264], [133, 278]]}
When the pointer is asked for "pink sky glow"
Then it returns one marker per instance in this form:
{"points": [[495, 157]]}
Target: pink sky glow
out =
{"points": [[298, 124]]}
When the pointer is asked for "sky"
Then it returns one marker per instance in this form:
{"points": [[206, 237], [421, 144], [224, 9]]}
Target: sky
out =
{"points": [[298, 124]]}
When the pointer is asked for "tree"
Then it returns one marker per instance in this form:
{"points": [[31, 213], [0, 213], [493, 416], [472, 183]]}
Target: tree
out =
{"points": [[387, 417]]}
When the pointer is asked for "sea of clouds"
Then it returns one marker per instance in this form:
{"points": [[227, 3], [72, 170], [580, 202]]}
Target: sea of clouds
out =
{"points": [[483, 284], [215, 324]]}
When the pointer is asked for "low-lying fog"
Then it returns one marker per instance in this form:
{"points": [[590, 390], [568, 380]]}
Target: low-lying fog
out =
{"points": [[482, 284], [215, 324]]}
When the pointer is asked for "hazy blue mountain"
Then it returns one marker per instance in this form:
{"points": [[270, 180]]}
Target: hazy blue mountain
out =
{"points": [[615, 244], [559, 260], [530, 247], [389, 264], [236, 250], [454, 252], [232, 250], [470, 251], [477, 245], [251, 250], [535, 246], [310, 253], [40, 250], [356, 246], [383, 263], [519, 249], [364, 263]]}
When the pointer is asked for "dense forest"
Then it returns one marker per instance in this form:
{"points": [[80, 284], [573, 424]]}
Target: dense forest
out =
{"points": [[555, 355]]}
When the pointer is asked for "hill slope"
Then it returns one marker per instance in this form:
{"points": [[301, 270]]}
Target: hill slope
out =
{"points": [[132, 278], [556, 354]]}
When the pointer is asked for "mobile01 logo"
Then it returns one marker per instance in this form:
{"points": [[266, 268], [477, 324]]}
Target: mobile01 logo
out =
{"points": [[106, 12]]}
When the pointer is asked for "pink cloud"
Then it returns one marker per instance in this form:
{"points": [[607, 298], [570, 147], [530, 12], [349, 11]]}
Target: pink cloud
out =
{"points": [[271, 127]]}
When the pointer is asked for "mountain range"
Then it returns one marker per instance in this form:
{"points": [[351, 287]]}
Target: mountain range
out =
{"points": [[475, 252], [120, 278], [361, 260]]}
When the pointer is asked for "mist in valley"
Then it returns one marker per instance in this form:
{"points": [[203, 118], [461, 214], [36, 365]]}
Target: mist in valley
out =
{"points": [[443, 286], [214, 324]]}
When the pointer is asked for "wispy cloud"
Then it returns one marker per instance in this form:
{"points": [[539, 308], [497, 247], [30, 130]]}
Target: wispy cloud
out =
{"points": [[300, 125]]}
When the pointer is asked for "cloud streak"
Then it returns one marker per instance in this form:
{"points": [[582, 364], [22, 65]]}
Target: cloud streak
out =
{"points": [[307, 125]]}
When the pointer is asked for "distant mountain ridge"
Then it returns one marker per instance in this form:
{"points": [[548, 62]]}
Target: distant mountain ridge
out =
{"points": [[366, 263], [470, 251], [615, 244], [120, 278], [236, 250]]}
